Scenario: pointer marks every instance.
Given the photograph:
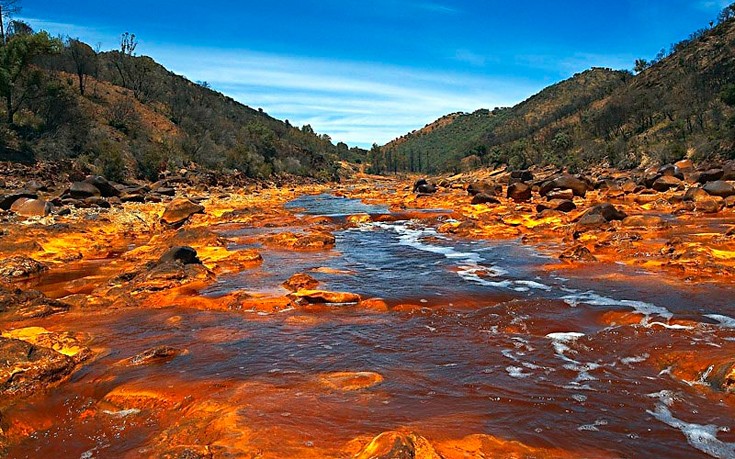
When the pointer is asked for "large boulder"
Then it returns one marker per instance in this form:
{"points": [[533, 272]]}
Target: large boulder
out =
{"points": [[423, 186], [565, 182], [519, 192], [665, 183], [179, 211], [183, 254], [107, 189], [7, 200], [82, 190], [719, 188], [32, 207], [696, 194], [484, 187], [561, 205], [607, 211], [710, 175], [483, 198]]}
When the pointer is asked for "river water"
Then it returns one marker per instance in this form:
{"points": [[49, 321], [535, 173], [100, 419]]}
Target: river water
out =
{"points": [[495, 342]]}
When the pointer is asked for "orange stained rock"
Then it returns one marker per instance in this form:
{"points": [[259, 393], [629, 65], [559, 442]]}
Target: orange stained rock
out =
{"points": [[622, 318], [351, 381], [374, 304], [324, 296], [398, 445], [63, 343]]}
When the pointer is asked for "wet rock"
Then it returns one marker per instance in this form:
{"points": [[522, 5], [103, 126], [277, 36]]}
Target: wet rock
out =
{"points": [[82, 190], [32, 207], [7, 200], [684, 166], [300, 281], [19, 267], [566, 195], [96, 201], [398, 445], [184, 255], [484, 187], [578, 254], [565, 182], [351, 381], [665, 183], [561, 205], [521, 176], [483, 198], [165, 191], [106, 189], [607, 211], [26, 368], [709, 206], [696, 194], [164, 276], [179, 211], [17, 304], [710, 175], [156, 355], [719, 188], [519, 192], [423, 186], [326, 297], [301, 241], [590, 221]]}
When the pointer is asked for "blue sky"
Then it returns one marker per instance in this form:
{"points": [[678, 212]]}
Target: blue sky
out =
{"points": [[372, 70]]}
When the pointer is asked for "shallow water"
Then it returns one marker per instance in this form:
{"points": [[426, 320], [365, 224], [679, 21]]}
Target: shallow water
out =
{"points": [[497, 345]]}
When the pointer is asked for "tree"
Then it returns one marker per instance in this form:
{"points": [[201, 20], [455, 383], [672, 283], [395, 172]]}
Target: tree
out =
{"points": [[7, 9], [84, 60], [641, 65], [18, 78], [727, 13]]}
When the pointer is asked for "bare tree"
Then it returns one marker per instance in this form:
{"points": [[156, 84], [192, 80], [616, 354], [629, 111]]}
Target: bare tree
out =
{"points": [[7, 9], [84, 59]]}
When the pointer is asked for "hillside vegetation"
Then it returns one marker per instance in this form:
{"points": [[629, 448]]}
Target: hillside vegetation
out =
{"points": [[122, 115], [679, 105]]}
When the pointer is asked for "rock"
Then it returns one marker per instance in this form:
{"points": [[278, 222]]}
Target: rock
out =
{"points": [[156, 355], [644, 221], [719, 188], [562, 205], [665, 183], [565, 182], [323, 296], [300, 281], [35, 186], [483, 198], [423, 186], [107, 189], [591, 221], [351, 381], [607, 211], [669, 170], [696, 194], [519, 192], [81, 190], [566, 195], [163, 276], [521, 176], [26, 368], [684, 166], [96, 201], [301, 241], [628, 186], [165, 191], [17, 304], [19, 266], [7, 200], [709, 206], [398, 445], [179, 211], [184, 255], [579, 253], [488, 188], [710, 175]]}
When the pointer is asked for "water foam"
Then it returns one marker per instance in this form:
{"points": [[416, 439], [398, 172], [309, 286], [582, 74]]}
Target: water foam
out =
{"points": [[640, 307]]}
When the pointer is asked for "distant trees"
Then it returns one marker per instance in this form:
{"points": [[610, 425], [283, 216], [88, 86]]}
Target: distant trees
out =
{"points": [[7, 9], [18, 78], [641, 65], [727, 13]]}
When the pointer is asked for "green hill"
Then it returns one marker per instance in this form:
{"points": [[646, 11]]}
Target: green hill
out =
{"points": [[678, 106]]}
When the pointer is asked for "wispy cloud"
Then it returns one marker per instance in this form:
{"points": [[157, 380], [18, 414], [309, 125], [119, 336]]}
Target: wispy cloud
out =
{"points": [[716, 5]]}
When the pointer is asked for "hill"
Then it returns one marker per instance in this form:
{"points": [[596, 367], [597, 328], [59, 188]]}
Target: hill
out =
{"points": [[123, 115], [674, 107]]}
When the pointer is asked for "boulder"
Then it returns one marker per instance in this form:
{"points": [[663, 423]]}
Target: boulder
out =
{"points": [[644, 221], [158, 354], [560, 194], [82, 190], [561, 205], [16, 304], [423, 186], [26, 368], [520, 176], [32, 207], [710, 206], [398, 445], [19, 267], [710, 175], [484, 187], [607, 211], [107, 189], [301, 241], [184, 255], [591, 221], [684, 166], [179, 211], [665, 183], [696, 194], [719, 188], [578, 254], [519, 192], [565, 182], [483, 198], [300, 281], [7, 200]]}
